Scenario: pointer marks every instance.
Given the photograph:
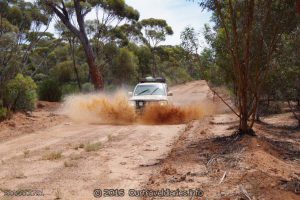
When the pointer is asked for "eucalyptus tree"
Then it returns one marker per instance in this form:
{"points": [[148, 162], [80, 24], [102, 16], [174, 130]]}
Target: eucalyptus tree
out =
{"points": [[20, 30], [72, 40], [252, 31], [190, 43], [69, 10], [155, 32], [110, 15], [190, 40], [66, 11], [115, 20]]}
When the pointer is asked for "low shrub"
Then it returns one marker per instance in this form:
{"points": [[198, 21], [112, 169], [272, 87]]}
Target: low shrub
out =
{"points": [[50, 90], [40, 77], [92, 147], [69, 88], [52, 156], [63, 71], [20, 93], [87, 87], [3, 113]]}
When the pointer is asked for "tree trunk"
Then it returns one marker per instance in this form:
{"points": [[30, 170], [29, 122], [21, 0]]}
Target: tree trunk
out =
{"points": [[94, 72], [201, 67], [63, 14], [72, 46], [244, 119], [257, 113], [244, 124], [154, 68]]}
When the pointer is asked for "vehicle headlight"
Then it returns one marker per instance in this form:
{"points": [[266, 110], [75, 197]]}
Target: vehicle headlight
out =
{"points": [[131, 103], [163, 103]]}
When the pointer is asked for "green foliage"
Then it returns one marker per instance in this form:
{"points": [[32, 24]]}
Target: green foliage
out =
{"points": [[87, 87], [174, 73], [283, 81], [245, 42], [189, 40], [63, 71], [50, 90], [145, 57], [155, 31], [125, 67], [22, 14], [172, 63], [3, 113], [119, 8], [40, 77], [70, 88], [20, 93]]}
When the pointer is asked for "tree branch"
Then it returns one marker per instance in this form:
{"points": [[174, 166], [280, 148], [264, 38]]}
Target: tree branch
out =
{"points": [[64, 18], [79, 15], [225, 102]]}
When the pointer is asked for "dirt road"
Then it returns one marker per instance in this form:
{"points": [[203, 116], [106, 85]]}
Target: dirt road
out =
{"points": [[52, 158], [47, 151]]}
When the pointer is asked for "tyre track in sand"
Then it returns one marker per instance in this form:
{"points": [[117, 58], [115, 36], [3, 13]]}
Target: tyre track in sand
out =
{"points": [[126, 159]]}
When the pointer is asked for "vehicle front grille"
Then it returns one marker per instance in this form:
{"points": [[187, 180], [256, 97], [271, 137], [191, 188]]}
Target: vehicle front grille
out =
{"points": [[140, 104]]}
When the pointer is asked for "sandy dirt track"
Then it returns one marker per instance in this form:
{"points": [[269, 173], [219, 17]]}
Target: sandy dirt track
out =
{"points": [[47, 151], [126, 159]]}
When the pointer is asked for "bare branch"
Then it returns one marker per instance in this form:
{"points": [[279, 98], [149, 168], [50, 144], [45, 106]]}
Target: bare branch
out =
{"points": [[225, 102]]}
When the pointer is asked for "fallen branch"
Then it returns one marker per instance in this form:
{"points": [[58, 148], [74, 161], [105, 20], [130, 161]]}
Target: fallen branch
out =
{"points": [[223, 177], [225, 102], [244, 191], [211, 160]]}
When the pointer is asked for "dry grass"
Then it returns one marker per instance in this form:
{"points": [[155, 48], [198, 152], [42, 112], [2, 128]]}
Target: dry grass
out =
{"points": [[92, 146], [70, 164], [75, 156], [18, 175], [58, 194], [6, 198], [79, 146], [52, 156], [112, 138], [26, 153]]}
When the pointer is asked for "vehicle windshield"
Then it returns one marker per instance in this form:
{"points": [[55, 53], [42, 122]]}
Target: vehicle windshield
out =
{"points": [[149, 90]]}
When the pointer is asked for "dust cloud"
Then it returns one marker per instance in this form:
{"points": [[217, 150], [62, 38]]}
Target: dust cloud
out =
{"points": [[114, 109], [171, 114], [99, 108]]}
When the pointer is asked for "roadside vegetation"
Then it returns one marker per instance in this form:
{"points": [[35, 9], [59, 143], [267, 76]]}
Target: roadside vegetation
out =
{"points": [[92, 146], [255, 55], [52, 156]]}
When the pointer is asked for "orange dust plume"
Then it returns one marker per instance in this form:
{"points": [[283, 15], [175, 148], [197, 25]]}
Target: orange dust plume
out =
{"points": [[171, 114], [114, 109], [99, 108]]}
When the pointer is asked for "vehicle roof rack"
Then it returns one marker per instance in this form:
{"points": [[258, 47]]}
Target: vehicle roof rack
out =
{"points": [[153, 80]]}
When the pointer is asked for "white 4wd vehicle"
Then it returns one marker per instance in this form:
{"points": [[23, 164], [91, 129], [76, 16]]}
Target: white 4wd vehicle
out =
{"points": [[149, 90]]}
